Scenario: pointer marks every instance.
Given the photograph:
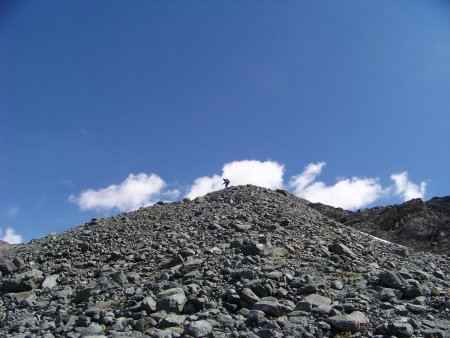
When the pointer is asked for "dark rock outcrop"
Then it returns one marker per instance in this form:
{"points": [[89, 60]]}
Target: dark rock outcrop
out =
{"points": [[416, 224]]}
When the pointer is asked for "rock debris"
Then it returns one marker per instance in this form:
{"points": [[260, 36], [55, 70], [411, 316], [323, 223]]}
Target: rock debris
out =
{"points": [[240, 262]]}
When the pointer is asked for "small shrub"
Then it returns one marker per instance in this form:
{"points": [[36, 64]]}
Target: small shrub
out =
{"points": [[274, 255], [349, 274], [435, 292], [344, 335], [363, 327]]}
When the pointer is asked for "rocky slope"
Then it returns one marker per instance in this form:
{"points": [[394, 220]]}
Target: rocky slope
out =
{"points": [[417, 224], [241, 262], [4, 245]]}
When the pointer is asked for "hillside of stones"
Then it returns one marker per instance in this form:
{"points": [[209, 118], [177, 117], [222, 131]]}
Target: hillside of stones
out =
{"points": [[4, 245], [416, 224], [241, 262]]}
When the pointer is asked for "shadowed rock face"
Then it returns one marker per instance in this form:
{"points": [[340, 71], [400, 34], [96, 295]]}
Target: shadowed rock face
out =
{"points": [[417, 224], [242, 261]]}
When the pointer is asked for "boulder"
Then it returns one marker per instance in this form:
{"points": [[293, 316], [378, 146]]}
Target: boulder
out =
{"points": [[400, 329], [249, 296], [341, 249], [171, 300], [6, 266], [198, 328], [272, 308], [349, 323], [25, 281], [148, 305], [171, 320], [391, 279], [50, 282]]}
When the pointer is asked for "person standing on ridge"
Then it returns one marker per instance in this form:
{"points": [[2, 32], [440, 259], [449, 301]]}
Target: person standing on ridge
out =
{"points": [[226, 182]]}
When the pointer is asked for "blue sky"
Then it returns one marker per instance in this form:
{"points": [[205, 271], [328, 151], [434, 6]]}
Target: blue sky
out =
{"points": [[106, 106]]}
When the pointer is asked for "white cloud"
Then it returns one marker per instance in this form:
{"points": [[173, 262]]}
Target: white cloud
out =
{"points": [[11, 237], [347, 193], [310, 173], [171, 194], [268, 174], [134, 192], [204, 185], [407, 189]]}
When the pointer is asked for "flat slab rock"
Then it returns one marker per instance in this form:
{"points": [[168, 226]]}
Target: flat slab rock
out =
{"points": [[349, 323], [171, 300], [272, 308], [317, 300], [199, 328]]}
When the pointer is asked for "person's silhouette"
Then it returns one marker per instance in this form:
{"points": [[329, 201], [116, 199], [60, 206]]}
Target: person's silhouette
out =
{"points": [[226, 182]]}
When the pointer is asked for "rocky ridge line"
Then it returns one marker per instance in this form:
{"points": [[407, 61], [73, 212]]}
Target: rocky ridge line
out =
{"points": [[5, 245], [417, 224]]}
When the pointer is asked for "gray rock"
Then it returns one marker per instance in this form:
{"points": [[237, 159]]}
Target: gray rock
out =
{"points": [[272, 308], [50, 282], [19, 263], [391, 279], [316, 300], [198, 328], [349, 323], [167, 333], [144, 324], [6, 266], [84, 295], [276, 275], [48, 335], [92, 329], [412, 290], [341, 249], [242, 227], [268, 333], [400, 329], [295, 326], [337, 285], [249, 296], [401, 310], [416, 308], [171, 300], [23, 282], [432, 333], [247, 274], [171, 320], [389, 295], [174, 261], [253, 249], [149, 305], [117, 326], [439, 274], [307, 289], [256, 315]]}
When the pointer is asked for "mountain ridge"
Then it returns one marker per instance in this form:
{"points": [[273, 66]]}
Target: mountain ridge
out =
{"points": [[422, 225], [243, 261], [5, 245]]}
